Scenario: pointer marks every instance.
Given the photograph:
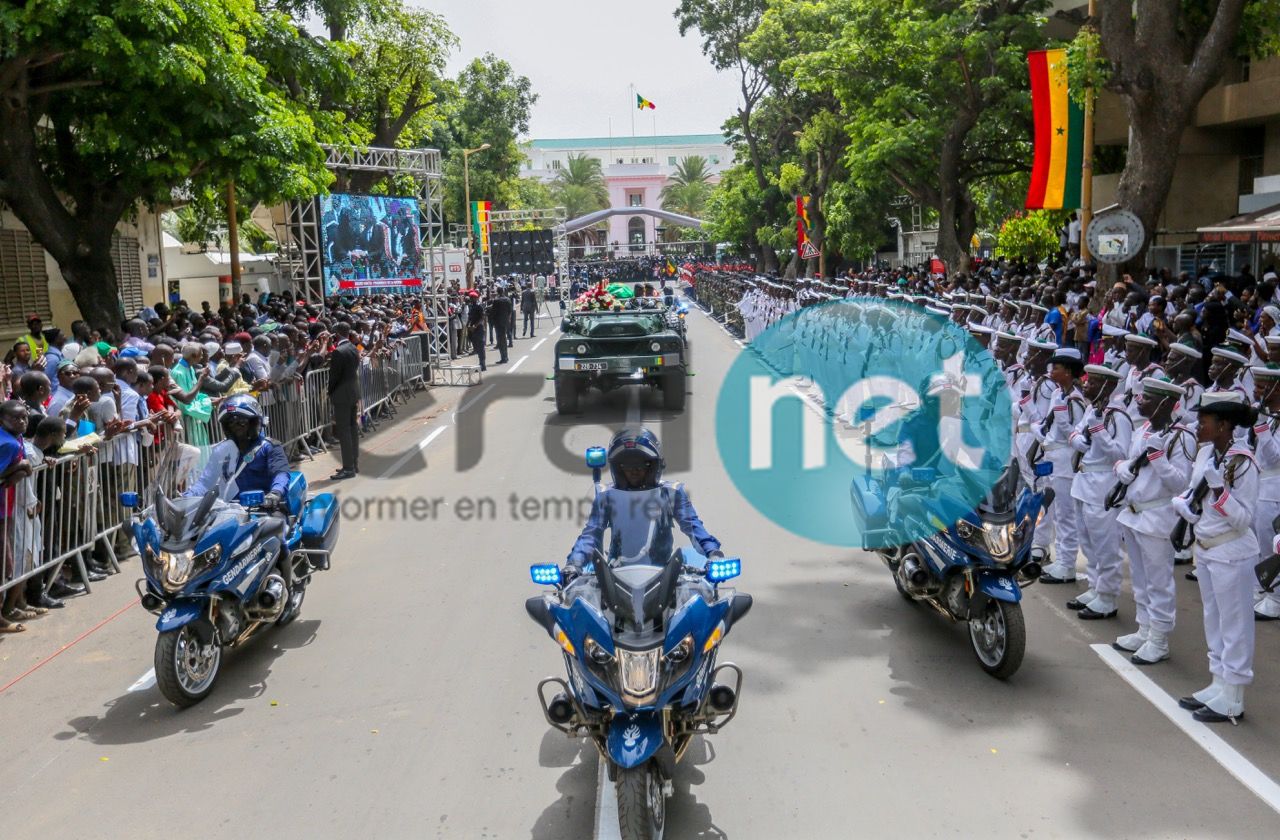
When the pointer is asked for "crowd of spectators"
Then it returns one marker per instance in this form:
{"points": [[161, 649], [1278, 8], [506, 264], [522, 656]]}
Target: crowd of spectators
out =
{"points": [[106, 398]]}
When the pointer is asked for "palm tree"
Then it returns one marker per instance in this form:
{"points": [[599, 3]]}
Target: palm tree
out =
{"points": [[580, 186], [689, 187]]}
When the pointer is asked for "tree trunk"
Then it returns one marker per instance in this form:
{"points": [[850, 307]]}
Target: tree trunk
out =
{"points": [[92, 280], [1155, 134]]}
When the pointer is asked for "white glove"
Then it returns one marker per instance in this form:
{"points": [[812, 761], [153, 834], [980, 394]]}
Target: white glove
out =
{"points": [[1124, 472], [1183, 507]]}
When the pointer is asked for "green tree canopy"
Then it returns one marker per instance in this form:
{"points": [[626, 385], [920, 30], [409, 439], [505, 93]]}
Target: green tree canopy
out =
{"points": [[580, 186], [107, 103]]}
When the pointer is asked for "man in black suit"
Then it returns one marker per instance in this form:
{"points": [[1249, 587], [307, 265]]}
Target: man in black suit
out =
{"points": [[475, 327], [529, 309], [344, 393], [500, 315]]}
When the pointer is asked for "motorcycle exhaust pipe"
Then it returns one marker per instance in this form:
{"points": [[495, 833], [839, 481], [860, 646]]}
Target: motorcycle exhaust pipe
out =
{"points": [[272, 592], [560, 709], [723, 698], [914, 573]]}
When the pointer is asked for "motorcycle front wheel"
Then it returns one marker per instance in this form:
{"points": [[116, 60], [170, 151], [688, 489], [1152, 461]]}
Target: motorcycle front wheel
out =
{"points": [[186, 669], [999, 638], [642, 806]]}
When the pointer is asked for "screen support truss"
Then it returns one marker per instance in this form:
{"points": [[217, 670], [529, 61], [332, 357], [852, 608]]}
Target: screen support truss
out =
{"points": [[302, 254]]}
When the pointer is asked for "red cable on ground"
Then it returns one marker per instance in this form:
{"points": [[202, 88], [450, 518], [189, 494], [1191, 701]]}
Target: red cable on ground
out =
{"points": [[66, 647]]}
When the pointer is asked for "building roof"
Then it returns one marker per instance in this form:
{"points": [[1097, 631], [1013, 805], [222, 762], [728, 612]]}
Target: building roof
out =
{"points": [[1259, 226], [639, 141]]}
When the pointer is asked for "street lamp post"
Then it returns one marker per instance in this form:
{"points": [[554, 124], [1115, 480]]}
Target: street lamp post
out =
{"points": [[466, 188]]}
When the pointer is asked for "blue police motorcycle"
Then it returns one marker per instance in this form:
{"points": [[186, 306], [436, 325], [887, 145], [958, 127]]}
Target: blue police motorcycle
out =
{"points": [[215, 575], [972, 570], [640, 645]]}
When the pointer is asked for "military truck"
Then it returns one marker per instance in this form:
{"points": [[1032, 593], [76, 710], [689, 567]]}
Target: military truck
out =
{"points": [[611, 349]]}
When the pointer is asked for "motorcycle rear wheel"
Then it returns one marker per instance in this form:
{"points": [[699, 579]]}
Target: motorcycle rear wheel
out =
{"points": [[999, 638], [186, 670], [642, 806]]}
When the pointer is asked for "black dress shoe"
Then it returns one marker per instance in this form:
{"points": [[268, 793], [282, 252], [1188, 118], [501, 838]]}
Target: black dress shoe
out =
{"points": [[1182, 561], [1093, 615], [1075, 604], [46, 601], [1048, 578], [65, 590], [1207, 715], [1257, 616], [93, 576], [1191, 576], [342, 475], [1190, 703]]}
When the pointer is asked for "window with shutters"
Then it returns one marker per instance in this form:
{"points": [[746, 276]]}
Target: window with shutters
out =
{"points": [[24, 282], [124, 255]]}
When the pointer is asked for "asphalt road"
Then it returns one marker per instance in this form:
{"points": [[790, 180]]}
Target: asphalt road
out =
{"points": [[401, 704]]}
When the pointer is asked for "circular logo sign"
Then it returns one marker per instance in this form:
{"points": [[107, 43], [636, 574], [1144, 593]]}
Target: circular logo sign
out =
{"points": [[865, 423]]}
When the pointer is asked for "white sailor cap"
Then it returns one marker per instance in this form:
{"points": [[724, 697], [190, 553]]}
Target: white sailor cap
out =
{"points": [[1185, 350], [1272, 340], [1036, 344], [1037, 307], [984, 312], [1230, 405], [1102, 370], [1135, 338], [1263, 372], [1113, 331], [1161, 387], [1229, 355], [1237, 337], [980, 329], [934, 310], [1008, 336]]}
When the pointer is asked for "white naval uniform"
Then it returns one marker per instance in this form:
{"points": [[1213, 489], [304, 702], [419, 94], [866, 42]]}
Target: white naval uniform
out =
{"points": [[1266, 455], [1148, 520], [1066, 410], [1109, 434], [1131, 389], [1226, 552]]}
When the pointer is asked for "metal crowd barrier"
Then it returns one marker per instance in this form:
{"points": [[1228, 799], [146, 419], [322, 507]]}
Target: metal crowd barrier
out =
{"points": [[69, 506]]}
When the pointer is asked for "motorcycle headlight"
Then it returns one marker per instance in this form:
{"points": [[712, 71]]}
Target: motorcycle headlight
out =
{"points": [[639, 672], [597, 654], [1000, 541], [681, 652], [175, 568]]}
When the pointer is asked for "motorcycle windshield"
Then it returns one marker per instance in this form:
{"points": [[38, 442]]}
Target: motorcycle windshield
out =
{"points": [[184, 519], [1001, 502]]}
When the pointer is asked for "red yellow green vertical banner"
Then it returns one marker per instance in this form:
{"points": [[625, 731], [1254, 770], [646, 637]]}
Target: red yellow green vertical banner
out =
{"points": [[480, 211], [1059, 134]]}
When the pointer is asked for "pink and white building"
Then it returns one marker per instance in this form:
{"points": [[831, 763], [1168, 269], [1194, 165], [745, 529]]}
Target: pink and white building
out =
{"points": [[635, 171]]}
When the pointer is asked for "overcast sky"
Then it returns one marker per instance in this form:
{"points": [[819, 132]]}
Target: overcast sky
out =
{"points": [[582, 54]]}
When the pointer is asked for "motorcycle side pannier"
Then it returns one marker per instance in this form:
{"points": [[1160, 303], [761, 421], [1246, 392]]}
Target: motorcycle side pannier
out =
{"points": [[320, 523]]}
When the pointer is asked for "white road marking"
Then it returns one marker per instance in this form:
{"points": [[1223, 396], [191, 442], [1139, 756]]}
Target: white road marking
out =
{"points": [[518, 363], [536, 346], [145, 681], [1245, 771], [606, 807], [470, 402], [422, 444]]}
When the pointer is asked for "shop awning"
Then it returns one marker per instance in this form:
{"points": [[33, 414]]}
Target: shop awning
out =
{"points": [[1259, 226]]}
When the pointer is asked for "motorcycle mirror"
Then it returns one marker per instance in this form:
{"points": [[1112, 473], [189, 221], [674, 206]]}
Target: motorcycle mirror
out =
{"points": [[129, 500]]}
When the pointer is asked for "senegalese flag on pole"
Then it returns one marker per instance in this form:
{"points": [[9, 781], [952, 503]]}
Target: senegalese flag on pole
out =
{"points": [[480, 225], [643, 104], [1059, 135]]}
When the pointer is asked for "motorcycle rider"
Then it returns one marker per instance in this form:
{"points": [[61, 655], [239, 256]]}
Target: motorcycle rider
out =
{"points": [[639, 509], [247, 460]]}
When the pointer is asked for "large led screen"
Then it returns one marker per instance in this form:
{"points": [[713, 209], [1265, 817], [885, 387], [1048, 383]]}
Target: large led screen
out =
{"points": [[370, 242]]}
